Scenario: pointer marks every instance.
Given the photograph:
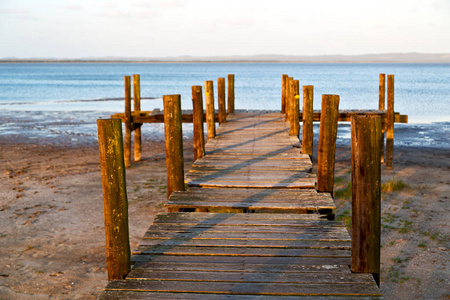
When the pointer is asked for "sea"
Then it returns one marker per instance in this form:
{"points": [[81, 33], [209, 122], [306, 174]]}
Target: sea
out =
{"points": [[51, 101]]}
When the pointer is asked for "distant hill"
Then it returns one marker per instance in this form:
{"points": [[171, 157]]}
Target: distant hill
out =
{"points": [[364, 58]]}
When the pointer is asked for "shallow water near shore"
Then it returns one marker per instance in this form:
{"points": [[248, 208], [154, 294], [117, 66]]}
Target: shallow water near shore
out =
{"points": [[80, 127], [44, 101]]}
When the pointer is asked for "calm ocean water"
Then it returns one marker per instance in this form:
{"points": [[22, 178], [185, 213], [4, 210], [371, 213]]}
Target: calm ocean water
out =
{"points": [[74, 94]]}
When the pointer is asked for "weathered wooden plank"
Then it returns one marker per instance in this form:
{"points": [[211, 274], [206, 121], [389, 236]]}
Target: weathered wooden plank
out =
{"points": [[254, 184], [297, 260], [247, 219], [127, 295], [333, 242], [162, 230], [254, 288], [239, 276]]}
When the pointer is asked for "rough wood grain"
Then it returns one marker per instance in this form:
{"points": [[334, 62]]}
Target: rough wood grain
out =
{"points": [[115, 202], [366, 194], [307, 116], [210, 116], [197, 120], [174, 143], [327, 143]]}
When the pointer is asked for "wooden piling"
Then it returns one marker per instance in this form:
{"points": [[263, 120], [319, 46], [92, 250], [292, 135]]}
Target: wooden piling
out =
{"points": [[221, 100], [366, 194], [137, 109], [197, 120], [210, 114], [174, 143], [308, 133], [127, 139], [115, 202], [327, 143], [294, 106], [288, 99], [390, 122], [283, 93], [230, 93], [382, 106]]}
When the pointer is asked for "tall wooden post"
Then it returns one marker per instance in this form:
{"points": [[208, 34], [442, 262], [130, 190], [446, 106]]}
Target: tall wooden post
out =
{"points": [[382, 106], [366, 194], [221, 100], [210, 114], [127, 142], [390, 123], [288, 99], [283, 93], [137, 109], [327, 143], [294, 106], [115, 202], [197, 120], [230, 93], [308, 133], [174, 143]]}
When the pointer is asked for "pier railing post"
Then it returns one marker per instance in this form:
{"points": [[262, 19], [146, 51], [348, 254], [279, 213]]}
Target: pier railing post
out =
{"points": [[308, 133], [327, 143], [230, 93], [197, 121], [115, 202], [137, 109], [288, 98], [174, 143], [382, 106], [210, 114], [366, 194], [221, 100], [283, 93], [294, 106], [127, 138], [390, 122]]}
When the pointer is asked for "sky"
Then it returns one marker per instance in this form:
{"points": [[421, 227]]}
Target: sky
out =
{"points": [[162, 28]]}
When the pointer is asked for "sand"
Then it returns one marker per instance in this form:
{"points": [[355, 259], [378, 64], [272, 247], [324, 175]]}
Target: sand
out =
{"points": [[52, 233]]}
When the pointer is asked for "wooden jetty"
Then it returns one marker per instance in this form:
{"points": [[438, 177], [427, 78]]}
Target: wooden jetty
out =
{"points": [[134, 119], [249, 220]]}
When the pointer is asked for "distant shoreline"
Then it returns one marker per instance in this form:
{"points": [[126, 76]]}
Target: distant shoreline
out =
{"points": [[387, 58]]}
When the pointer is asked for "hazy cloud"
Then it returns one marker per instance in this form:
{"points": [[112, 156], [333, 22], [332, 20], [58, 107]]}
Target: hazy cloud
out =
{"points": [[72, 7], [162, 3]]}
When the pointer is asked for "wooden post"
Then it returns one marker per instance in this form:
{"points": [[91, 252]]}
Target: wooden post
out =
{"points": [[210, 117], [382, 106], [174, 143], [366, 194], [390, 122], [197, 121], [308, 133], [327, 143], [288, 99], [294, 106], [221, 100], [283, 93], [127, 142], [115, 202], [230, 93], [137, 109]]}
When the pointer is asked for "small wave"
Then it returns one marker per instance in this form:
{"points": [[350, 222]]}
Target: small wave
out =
{"points": [[73, 101]]}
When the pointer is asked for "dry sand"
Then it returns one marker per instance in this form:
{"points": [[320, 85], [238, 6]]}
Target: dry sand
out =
{"points": [[52, 233]]}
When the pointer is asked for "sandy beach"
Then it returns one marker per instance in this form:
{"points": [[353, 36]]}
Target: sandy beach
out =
{"points": [[52, 230]]}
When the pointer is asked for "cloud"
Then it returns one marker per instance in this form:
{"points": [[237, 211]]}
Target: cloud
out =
{"points": [[72, 7], [162, 3], [18, 13], [15, 11]]}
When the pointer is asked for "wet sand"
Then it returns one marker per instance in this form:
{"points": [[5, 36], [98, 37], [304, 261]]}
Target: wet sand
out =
{"points": [[52, 233]]}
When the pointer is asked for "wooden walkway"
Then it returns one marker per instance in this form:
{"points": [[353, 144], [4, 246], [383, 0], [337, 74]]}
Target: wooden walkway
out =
{"points": [[250, 226]]}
